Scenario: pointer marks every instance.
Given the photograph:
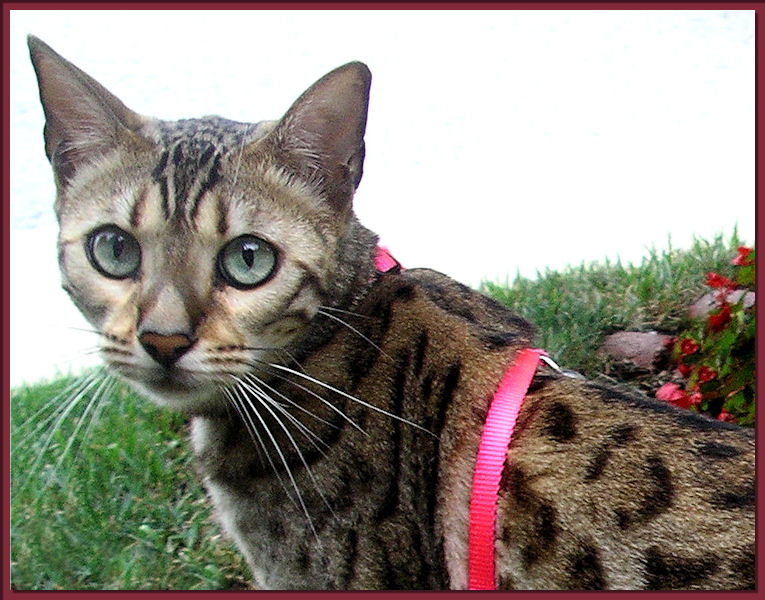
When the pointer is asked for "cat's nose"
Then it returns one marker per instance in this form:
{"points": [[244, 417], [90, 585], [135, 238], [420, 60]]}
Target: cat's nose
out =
{"points": [[165, 349]]}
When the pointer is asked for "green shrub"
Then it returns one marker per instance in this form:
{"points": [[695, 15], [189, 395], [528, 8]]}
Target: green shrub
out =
{"points": [[716, 353]]}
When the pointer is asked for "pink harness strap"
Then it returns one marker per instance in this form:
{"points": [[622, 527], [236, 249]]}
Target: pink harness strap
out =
{"points": [[492, 452], [384, 260]]}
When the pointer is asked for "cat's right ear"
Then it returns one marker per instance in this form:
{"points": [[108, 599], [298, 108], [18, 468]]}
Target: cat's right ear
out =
{"points": [[83, 120]]}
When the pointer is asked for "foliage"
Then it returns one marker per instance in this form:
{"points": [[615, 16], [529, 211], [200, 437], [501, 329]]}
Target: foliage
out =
{"points": [[576, 308], [716, 353], [109, 502]]}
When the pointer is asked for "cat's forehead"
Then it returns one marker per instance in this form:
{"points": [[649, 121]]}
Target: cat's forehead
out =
{"points": [[196, 137], [192, 158]]}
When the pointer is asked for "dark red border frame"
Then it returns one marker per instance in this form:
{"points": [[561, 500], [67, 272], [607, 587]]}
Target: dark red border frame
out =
{"points": [[5, 239]]}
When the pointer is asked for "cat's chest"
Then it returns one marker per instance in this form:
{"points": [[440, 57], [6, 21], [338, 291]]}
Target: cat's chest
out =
{"points": [[350, 517], [256, 511]]}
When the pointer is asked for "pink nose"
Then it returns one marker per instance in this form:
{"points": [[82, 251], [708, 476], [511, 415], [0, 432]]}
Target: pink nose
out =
{"points": [[165, 349]]}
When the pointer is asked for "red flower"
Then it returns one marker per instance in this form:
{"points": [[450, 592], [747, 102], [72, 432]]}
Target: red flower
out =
{"points": [[706, 374], [685, 370], [742, 260], [688, 347], [670, 392], [676, 396], [716, 280], [718, 321], [726, 416]]}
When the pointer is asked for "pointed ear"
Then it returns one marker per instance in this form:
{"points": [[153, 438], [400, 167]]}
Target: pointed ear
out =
{"points": [[322, 134], [82, 119]]}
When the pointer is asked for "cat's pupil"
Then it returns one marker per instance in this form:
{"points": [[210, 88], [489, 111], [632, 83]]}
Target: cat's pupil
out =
{"points": [[118, 246], [248, 254]]}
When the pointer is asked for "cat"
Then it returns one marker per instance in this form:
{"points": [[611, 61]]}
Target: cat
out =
{"points": [[336, 409]]}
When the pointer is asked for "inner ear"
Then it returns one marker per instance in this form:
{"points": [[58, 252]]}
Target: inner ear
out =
{"points": [[323, 131], [83, 120]]}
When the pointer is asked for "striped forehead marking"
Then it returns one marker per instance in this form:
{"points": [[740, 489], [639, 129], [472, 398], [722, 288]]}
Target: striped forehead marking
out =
{"points": [[191, 163]]}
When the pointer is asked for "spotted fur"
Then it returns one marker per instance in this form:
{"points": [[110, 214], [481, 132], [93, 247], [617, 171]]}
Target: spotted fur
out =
{"points": [[336, 411]]}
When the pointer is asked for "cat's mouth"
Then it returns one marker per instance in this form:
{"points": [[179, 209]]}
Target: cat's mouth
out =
{"points": [[172, 381], [175, 388]]}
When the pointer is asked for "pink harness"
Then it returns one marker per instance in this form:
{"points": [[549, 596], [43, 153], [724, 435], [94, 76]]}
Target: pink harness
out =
{"points": [[492, 452]]}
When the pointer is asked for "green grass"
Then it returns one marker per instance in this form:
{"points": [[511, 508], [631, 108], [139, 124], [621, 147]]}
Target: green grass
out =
{"points": [[123, 509], [576, 308]]}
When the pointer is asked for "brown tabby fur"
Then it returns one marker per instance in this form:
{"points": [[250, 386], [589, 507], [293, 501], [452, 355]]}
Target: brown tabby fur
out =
{"points": [[601, 489]]}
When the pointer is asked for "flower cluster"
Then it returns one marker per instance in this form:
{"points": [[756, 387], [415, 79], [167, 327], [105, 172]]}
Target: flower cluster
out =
{"points": [[715, 355]]}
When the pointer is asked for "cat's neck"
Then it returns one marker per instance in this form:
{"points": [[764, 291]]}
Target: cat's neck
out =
{"points": [[346, 291]]}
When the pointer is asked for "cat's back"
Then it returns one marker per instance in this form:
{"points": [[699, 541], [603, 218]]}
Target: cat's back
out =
{"points": [[603, 488], [606, 489]]}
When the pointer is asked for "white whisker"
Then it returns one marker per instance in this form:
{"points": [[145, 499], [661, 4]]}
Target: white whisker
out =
{"points": [[53, 402], [290, 401], [113, 383], [281, 454], [71, 394], [315, 395], [98, 396], [309, 435], [354, 330], [239, 157], [241, 401], [87, 330], [353, 398], [58, 417], [348, 312], [292, 358], [250, 426]]}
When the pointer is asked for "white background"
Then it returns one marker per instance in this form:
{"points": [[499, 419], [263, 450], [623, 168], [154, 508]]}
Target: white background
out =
{"points": [[497, 141]]}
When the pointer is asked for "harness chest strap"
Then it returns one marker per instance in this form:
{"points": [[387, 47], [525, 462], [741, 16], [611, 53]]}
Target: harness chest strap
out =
{"points": [[492, 451]]}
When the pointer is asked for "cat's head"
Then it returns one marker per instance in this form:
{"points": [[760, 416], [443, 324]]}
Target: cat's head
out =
{"points": [[200, 248]]}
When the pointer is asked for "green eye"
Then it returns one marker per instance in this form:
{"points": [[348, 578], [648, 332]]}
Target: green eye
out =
{"points": [[113, 252], [247, 261]]}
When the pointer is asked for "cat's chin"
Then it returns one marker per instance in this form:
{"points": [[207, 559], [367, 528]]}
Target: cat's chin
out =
{"points": [[181, 393]]}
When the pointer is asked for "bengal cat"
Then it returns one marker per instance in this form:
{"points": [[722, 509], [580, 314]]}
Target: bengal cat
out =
{"points": [[336, 409]]}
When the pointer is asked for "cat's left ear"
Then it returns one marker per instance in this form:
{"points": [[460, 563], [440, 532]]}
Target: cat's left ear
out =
{"points": [[83, 120], [322, 133]]}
